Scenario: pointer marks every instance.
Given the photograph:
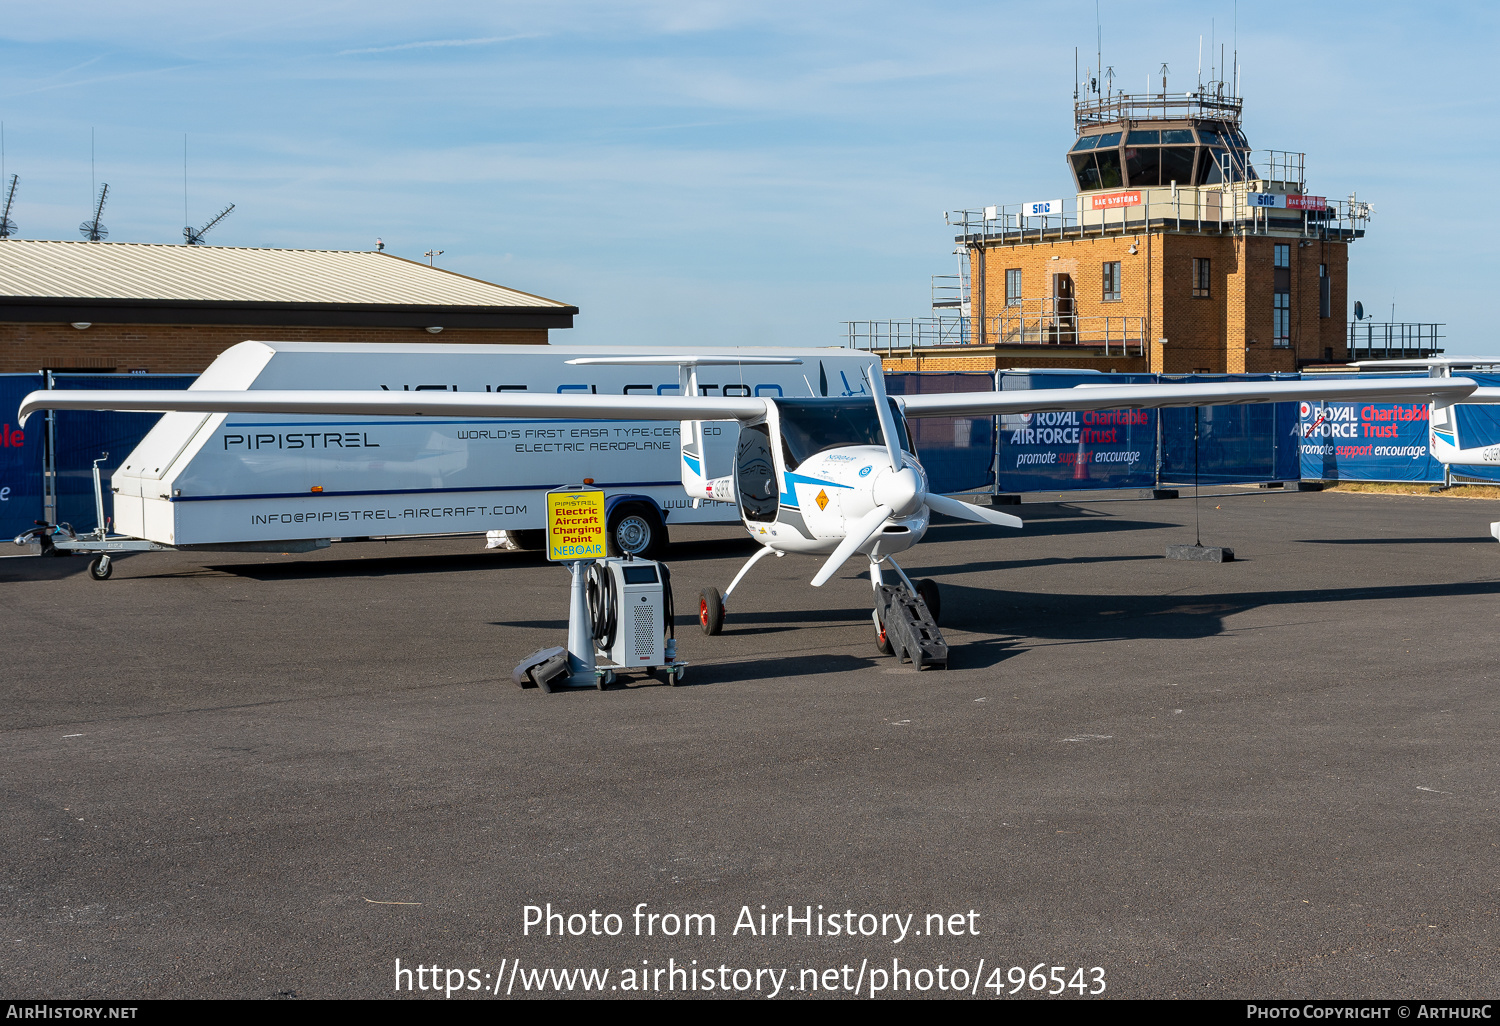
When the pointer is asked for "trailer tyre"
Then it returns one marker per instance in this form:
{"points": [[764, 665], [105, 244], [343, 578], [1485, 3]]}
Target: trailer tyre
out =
{"points": [[100, 567], [636, 529], [529, 540]]}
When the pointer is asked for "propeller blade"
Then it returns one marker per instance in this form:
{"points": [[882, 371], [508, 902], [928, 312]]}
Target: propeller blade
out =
{"points": [[883, 411], [861, 531], [967, 511]]}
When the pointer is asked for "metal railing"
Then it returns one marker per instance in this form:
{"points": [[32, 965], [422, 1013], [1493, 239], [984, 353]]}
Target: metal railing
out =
{"points": [[1226, 208], [1371, 340], [1116, 107], [950, 292], [1018, 326]]}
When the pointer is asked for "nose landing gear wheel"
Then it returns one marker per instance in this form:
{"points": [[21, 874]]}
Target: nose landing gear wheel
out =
{"points": [[928, 590], [101, 567], [882, 643], [710, 611]]}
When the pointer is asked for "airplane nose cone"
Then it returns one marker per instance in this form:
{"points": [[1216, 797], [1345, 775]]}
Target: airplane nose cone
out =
{"points": [[901, 491]]}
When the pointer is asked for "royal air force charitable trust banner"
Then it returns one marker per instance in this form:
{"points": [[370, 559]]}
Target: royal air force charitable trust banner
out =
{"points": [[1388, 442], [1079, 449]]}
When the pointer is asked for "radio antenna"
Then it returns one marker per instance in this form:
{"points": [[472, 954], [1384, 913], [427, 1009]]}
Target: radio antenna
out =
{"points": [[94, 230], [7, 226], [194, 236]]}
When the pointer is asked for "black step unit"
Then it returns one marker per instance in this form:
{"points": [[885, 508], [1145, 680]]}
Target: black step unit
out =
{"points": [[913, 635]]}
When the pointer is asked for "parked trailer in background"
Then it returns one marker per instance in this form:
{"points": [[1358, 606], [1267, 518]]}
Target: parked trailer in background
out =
{"points": [[290, 483]]}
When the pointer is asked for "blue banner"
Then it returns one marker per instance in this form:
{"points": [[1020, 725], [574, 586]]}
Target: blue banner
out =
{"points": [[20, 458], [957, 452], [1078, 450], [1235, 443], [82, 436], [1366, 441]]}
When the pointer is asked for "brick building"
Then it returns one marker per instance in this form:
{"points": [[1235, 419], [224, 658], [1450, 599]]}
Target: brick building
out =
{"points": [[1181, 251], [106, 306]]}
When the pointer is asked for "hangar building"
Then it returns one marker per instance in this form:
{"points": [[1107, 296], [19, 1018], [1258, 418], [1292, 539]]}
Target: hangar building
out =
{"points": [[109, 306]]}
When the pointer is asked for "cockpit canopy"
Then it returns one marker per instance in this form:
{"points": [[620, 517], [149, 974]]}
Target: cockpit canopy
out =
{"points": [[1196, 154], [809, 426]]}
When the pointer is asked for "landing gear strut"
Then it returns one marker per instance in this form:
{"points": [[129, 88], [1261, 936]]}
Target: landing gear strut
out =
{"points": [[711, 604]]}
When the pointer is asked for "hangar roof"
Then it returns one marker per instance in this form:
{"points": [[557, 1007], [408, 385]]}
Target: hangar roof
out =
{"points": [[114, 281]]}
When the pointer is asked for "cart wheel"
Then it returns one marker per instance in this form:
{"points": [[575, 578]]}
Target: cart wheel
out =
{"points": [[605, 679], [101, 567], [928, 590], [882, 643], [675, 675], [710, 611]]}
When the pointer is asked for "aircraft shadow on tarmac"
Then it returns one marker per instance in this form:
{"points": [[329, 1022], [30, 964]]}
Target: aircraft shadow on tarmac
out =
{"points": [[1088, 618], [1484, 539], [1043, 519], [1012, 619]]}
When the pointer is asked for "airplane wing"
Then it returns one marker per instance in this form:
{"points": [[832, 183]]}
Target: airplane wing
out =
{"points": [[1443, 391], [585, 406], [564, 406]]}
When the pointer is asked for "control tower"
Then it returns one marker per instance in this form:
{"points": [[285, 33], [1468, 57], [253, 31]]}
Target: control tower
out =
{"points": [[1181, 250]]}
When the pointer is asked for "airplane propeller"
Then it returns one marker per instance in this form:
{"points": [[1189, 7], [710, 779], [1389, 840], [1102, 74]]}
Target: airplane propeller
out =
{"points": [[900, 494]]}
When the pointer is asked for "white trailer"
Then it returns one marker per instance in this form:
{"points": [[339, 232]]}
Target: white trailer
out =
{"points": [[292, 482]]}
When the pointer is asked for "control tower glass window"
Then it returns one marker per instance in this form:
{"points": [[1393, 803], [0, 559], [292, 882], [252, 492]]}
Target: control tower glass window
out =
{"points": [[1109, 168], [1143, 163], [1176, 164], [1086, 171]]}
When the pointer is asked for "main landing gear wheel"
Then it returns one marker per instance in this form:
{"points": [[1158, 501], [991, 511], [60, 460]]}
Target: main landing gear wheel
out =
{"points": [[928, 590], [710, 611], [100, 567], [882, 643]]}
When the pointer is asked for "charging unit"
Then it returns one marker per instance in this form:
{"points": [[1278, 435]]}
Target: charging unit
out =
{"points": [[630, 614]]}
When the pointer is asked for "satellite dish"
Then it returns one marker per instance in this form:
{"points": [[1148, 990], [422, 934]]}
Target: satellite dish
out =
{"points": [[1359, 310]]}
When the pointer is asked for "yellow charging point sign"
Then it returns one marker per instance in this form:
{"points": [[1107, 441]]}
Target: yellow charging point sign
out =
{"points": [[575, 524]]}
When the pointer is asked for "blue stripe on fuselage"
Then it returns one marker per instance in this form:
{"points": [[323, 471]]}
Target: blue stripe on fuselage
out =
{"points": [[789, 497]]}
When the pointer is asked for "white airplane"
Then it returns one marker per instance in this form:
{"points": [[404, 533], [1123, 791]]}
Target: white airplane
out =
{"points": [[828, 477]]}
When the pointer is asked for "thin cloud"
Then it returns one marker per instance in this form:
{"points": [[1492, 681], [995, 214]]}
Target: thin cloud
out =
{"points": [[439, 42]]}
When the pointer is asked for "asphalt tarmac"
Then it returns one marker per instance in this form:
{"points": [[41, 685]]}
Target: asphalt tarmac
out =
{"points": [[263, 776]]}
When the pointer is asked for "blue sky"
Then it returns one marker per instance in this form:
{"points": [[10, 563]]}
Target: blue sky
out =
{"points": [[727, 173]]}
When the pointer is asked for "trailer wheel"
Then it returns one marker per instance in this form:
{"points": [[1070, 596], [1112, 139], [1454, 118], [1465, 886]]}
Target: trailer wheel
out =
{"points": [[710, 611], [636, 529], [932, 597], [101, 566], [528, 540]]}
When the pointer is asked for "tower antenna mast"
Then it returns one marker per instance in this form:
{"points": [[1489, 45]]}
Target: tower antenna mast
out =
{"points": [[7, 226], [94, 229], [194, 236]]}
